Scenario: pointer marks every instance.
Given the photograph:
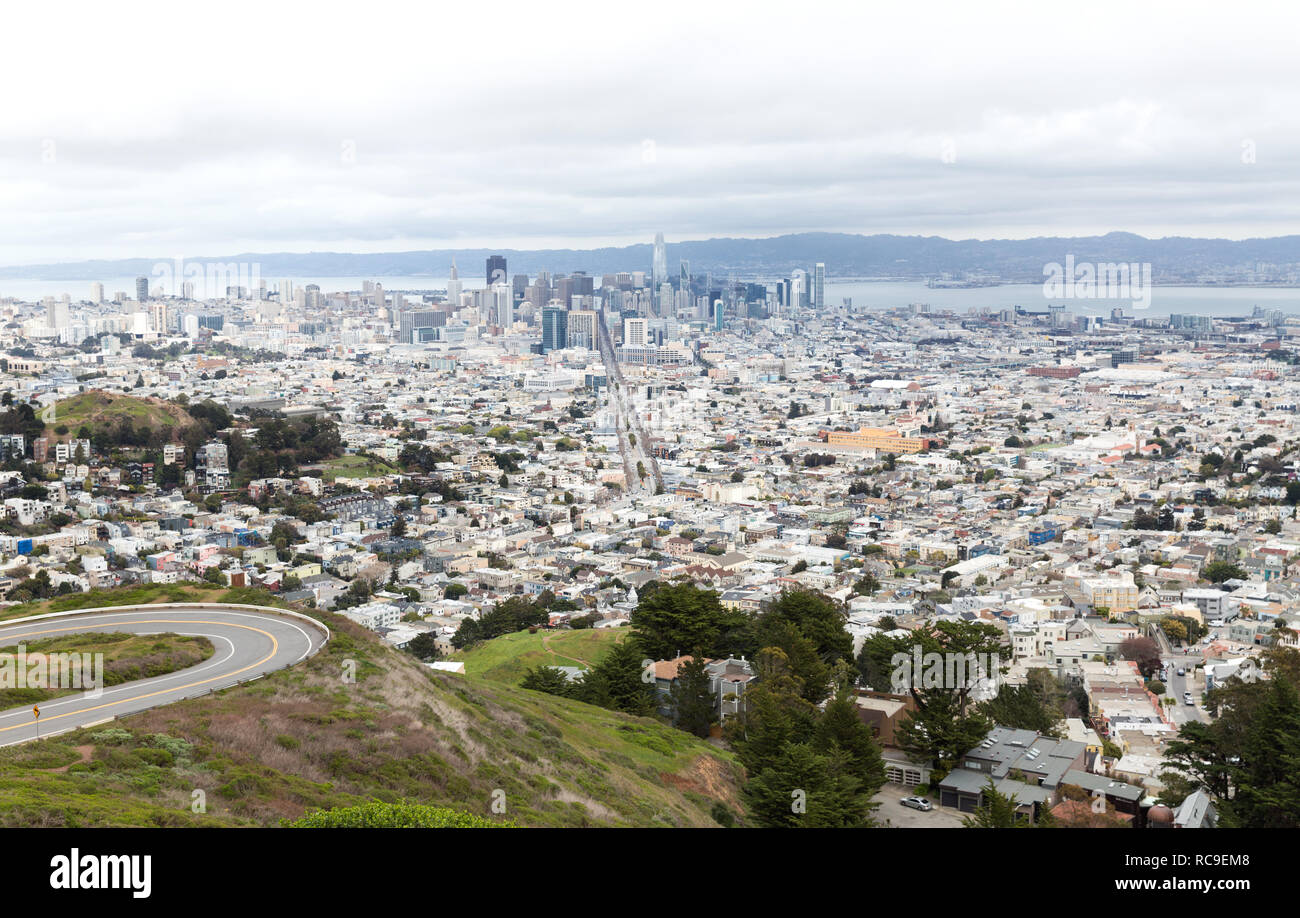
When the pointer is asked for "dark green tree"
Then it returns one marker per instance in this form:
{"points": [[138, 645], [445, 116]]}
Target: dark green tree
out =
{"points": [[693, 699]]}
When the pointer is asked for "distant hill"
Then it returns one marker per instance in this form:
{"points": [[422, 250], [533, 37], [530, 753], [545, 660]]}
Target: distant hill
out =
{"points": [[101, 410], [844, 254]]}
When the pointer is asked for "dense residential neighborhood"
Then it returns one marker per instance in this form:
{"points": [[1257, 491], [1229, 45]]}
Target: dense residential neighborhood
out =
{"points": [[1111, 503]]}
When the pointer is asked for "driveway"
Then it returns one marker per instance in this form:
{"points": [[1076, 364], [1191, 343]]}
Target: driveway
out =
{"points": [[894, 814]]}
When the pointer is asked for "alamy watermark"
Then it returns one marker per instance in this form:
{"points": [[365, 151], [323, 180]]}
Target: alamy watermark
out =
{"points": [[207, 280], [1086, 280], [63, 670], [919, 670]]}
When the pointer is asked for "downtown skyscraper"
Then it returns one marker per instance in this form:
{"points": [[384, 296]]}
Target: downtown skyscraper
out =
{"points": [[659, 266]]}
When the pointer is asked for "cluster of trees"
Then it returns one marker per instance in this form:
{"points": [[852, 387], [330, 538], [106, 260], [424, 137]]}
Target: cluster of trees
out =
{"points": [[507, 617], [1143, 651], [618, 682], [806, 768], [280, 446], [1163, 520], [1246, 759], [814, 460], [1220, 571], [20, 419], [1183, 628], [945, 722], [39, 587], [808, 627]]}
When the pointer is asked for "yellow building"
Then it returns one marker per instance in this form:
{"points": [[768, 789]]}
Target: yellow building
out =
{"points": [[877, 438]]}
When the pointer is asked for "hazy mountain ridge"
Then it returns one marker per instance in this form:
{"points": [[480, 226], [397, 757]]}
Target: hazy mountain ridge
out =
{"points": [[845, 255]]}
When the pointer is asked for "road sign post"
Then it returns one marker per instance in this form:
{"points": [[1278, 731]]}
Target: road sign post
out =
{"points": [[36, 715]]}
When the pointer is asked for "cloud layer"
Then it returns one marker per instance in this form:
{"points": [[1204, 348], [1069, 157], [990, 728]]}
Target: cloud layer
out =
{"points": [[378, 127]]}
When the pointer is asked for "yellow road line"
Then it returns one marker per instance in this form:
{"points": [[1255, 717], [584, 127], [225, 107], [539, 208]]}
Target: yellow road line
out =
{"points": [[275, 648]]}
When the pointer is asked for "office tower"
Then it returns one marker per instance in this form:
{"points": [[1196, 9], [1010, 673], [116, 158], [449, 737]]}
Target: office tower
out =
{"points": [[453, 287], [659, 267], [96, 292], [582, 328], [379, 297], [717, 315], [142, 289], [565, 288], [684, 282], [496, 269], [519, 285], [158, 312], [798, 290], [636, 332], [555, 329], [56, 313], [505, 304], [411, 324], [819, 285], [583, 283]]}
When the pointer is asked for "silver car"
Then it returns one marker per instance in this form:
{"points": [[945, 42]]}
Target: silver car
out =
{"points": [[917, 803]]}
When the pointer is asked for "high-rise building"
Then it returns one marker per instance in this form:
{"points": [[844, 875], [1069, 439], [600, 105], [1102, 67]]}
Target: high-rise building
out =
{"points": [[503, 301], [56, 313], [555, 329], [659, 267], [581, 328], [142, 289], [819, 285], [96, 292], [636, 332], [410, 323], [496, 269], [453, 287]]}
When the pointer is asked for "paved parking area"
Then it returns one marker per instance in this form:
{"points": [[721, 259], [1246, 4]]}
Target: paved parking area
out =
{"points": [[892, 813]]}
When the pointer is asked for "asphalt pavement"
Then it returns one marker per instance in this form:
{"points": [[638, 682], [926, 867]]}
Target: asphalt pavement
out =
{"points": [[249, 642]]}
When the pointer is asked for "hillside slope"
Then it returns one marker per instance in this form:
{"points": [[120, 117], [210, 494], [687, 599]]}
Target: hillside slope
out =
{"points": [[305, 739], [101, 410], [509, 658]]}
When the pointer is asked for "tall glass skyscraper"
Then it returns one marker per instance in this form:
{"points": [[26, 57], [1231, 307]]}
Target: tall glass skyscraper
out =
{"points": [[659, 268], [555, 329]]}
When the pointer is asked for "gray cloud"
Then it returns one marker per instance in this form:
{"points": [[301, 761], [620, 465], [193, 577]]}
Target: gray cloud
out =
{"points": [[377, 127]]}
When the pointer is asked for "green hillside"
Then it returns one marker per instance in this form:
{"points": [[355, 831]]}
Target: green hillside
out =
{"points": [[509, 657], [304, 739], [101, 410]]}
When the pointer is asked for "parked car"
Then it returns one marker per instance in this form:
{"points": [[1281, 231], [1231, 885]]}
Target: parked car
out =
{"points": [[917, 803], [1187, 698], [1181, 671]]}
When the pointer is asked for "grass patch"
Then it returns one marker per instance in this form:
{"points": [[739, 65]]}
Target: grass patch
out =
{"points": [[509, 658]]}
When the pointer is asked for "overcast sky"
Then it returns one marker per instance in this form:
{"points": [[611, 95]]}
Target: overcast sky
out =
{"points": [[139, 130]]}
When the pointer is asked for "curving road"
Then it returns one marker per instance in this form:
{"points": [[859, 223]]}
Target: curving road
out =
{"points": [[249, 642]]}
